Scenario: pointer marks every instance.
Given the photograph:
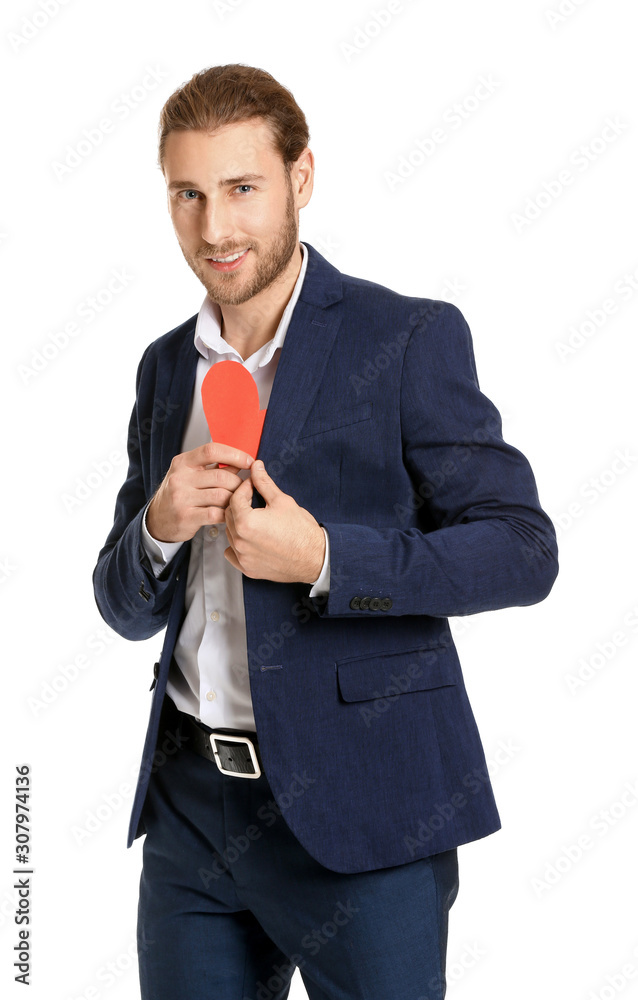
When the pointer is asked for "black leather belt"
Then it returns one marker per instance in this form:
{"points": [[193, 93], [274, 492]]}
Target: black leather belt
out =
{"points": [[235, 751]]}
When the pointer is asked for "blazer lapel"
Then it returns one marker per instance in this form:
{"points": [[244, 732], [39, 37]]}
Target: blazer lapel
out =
{"points": [[304, 355], [179, 395]]}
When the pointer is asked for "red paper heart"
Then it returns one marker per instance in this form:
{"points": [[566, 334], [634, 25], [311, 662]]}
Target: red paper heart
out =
{"points": [[231, 405]]}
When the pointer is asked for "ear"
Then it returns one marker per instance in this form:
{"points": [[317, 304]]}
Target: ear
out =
{"points": [[302, 176]]}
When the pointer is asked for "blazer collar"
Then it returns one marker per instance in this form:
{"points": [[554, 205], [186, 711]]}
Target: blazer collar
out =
{"points": [[304, 356], [322, 285]]}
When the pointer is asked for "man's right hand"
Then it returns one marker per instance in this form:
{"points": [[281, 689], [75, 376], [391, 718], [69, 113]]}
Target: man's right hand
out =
{"points": [[191, 494]]}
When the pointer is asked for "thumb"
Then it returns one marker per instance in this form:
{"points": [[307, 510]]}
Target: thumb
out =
{"points": [[268, 489], [242, 496]]}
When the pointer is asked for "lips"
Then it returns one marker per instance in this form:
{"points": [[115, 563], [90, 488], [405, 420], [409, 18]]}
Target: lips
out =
{"points": [[226, 264]]}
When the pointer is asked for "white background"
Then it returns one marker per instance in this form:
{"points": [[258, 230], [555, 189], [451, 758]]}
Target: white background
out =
{"points": [[454, 227]]}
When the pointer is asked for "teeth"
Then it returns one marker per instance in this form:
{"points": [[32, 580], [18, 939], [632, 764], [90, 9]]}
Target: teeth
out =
{"points": [[228, 260]]}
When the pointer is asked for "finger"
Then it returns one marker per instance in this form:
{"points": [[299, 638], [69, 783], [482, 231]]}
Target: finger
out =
{"points": [[211, 498], [214, 515], [263, 483], [206, 479], [214, 452], [242, 497]]}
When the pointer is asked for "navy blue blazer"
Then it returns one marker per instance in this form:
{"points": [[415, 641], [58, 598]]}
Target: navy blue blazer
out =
{"points": [[377, 426]]}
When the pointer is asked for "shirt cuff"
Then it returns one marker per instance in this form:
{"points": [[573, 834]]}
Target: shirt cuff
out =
{"points": [[321, 586], [159, 553]]}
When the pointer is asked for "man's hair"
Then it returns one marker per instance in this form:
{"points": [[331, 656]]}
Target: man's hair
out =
{"points": [[225, 95]]}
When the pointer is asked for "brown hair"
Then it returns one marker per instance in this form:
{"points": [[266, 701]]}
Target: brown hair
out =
{"points": [[224, 95]]}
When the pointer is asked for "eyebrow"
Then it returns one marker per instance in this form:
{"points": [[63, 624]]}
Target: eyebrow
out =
{"points": [[226, 182]]}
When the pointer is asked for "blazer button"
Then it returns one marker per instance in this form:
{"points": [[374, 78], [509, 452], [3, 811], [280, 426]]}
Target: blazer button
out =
{"points": [[365, 603], [375, 604], [354, 603], [386, 604]]}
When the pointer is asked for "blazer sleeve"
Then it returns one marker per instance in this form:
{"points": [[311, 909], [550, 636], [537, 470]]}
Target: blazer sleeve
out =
{"points": [[130, 598], [481, 540]]}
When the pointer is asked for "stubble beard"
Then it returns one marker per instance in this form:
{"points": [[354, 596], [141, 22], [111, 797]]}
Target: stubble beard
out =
{"points": [[231, 289]]}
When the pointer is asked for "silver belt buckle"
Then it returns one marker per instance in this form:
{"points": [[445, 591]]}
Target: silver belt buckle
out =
{"points": [[221, 757]]}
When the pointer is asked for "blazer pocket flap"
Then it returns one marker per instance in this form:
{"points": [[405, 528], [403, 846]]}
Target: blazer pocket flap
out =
{"points": [[343, 417], [364, 678]]}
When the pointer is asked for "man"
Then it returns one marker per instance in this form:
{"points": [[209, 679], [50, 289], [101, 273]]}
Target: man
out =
{"points": [[311, 762]]}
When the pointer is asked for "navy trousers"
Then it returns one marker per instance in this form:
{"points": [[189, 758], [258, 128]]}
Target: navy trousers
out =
{"points": [[231, 903]]}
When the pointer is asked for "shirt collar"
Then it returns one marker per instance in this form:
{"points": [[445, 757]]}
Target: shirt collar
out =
{"points": [[209, 341]]}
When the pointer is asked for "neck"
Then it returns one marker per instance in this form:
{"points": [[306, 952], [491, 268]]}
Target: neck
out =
{"points": [[252, 324]]}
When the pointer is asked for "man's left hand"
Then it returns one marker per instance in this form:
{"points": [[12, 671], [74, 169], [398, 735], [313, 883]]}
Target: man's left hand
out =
{"points": [[281, 541]]}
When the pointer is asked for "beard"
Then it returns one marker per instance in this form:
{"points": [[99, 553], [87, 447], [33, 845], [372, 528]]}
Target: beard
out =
{"points": [[233, 289]]}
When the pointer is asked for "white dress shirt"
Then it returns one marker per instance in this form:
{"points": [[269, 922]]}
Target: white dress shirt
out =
{"points": [[212, 682]]}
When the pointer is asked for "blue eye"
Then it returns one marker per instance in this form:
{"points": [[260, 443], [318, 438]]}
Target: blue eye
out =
{"points": [[245, 186], [190, 192]]}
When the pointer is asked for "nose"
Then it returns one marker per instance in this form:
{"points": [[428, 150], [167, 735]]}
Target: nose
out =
{"points": [[217, 223]]}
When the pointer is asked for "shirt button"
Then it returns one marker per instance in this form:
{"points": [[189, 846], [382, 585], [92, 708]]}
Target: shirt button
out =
{"points": [[214, 615], [210, 696], [213, 532]]}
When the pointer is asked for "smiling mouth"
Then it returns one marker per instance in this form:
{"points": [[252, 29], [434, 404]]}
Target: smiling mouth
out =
{"points": [[228, 260], [227, 264]]}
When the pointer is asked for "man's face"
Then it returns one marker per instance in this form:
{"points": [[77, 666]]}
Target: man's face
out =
{"points": [[229, 193]]}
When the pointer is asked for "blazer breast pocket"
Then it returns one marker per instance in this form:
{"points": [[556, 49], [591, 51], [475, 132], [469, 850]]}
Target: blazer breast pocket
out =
{"points": [[318, 423], [363, 678]]}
